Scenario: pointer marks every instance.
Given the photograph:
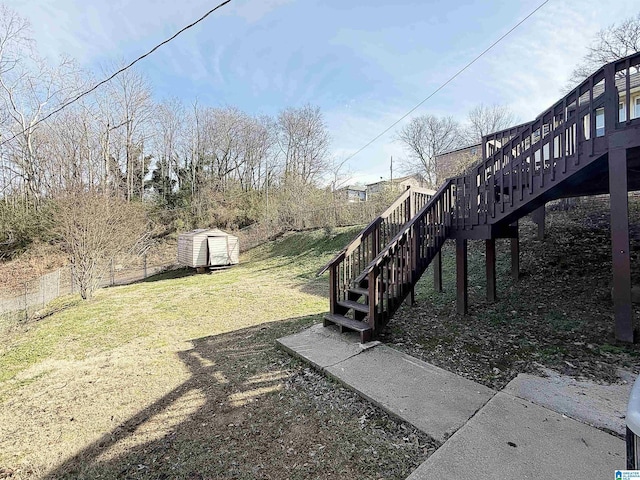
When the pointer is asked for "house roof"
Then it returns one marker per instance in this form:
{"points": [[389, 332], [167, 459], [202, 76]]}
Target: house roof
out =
{"points": [[399, 179], [477, 145]]}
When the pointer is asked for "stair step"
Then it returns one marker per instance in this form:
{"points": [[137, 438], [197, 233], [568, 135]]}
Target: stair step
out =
{"points": [[359, 291], [347, 322], [360, 307]]}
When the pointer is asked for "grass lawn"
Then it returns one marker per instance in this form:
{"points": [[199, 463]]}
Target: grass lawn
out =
{"points": [[178, 377]]}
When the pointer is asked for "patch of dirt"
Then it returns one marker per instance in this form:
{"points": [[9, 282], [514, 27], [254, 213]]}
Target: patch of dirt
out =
{"points": [[41, 258], [558, 315]]}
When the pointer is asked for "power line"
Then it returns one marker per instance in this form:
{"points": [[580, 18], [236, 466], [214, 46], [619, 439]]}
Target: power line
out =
{"points": [[111, 77], [449, 80]]}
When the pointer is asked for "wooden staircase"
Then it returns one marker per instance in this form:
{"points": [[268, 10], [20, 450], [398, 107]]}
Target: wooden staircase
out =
{"points": [[349, 291], [564, 152]]}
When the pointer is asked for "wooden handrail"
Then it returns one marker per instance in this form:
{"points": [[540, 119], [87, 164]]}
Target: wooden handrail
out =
{"points": [[369, 228], [523, 163], [394, 241]]}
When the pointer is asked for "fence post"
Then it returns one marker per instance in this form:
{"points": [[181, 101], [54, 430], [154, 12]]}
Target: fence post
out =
{"points": [[42, 287], [111, 274], [145, 265], [26, 307]]}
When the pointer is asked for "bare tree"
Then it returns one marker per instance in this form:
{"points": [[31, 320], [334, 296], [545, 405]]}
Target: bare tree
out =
{"points": [[485, 119], [423, 139], [29, 89], [168, 135], [131, 96], [609, 44], [95, 229], [303, 141]]}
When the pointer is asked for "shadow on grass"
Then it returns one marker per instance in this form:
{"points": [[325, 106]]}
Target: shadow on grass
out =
{"points": [[175, 273], [203, 423], [247, 411]]}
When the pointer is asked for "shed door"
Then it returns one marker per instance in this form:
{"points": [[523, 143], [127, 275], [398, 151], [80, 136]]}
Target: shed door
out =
{"points": [[218, 251]]}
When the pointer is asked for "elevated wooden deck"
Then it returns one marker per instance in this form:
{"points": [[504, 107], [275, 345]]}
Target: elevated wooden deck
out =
{"points": [[588, 143]]}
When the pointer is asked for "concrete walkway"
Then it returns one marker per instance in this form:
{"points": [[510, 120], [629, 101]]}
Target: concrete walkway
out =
{"points": [[486, 434]]}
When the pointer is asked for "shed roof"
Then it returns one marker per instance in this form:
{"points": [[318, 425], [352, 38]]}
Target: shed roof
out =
{"points": [[210, 232]]}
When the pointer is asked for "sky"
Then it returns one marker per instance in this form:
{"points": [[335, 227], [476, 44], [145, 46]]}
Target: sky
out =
{"points": [[364, 63]]}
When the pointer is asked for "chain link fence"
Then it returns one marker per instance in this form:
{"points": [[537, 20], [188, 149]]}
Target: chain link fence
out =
{"points": [[29, 301]]}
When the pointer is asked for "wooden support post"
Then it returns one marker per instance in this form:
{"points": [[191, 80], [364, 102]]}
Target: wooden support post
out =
{"points": [[515, 258], [490, 249], [461, 276], [538, 217], [333, 289], [437, 272], [374, 318], [620, 244]]}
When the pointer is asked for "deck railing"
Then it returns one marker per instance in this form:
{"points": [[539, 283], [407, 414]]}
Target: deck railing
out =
{"points": [[526, 160], [345, 267], [392, 274], [521, 166]]}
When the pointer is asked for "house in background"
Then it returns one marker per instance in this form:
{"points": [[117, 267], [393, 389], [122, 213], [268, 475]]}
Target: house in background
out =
{"points": [[352, 193], [454, 163], [397, 184]]}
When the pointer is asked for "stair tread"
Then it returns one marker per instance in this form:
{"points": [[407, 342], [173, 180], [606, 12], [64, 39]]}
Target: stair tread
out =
{"points": [[359, 290], [349, 323], [360, 307]]}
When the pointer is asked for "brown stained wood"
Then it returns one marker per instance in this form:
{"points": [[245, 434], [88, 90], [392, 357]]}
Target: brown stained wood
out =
{"points": [[622, 307], [437, 272], [490, 259], [515, 259], [359, 291], [333, 289], [461, 277], [373, 317], [538, 216], [396, 250], [348, 323], [353, 305]]}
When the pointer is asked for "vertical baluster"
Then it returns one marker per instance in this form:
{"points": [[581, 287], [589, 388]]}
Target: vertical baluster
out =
{"points": [[505, 162], [592, 118], [387, 284], [579, 133], [532, 160], [564, 144], [552, 144], [373, 310], [512, 173], [491, 193], [541, 150], [627, 90], [521, 162]]}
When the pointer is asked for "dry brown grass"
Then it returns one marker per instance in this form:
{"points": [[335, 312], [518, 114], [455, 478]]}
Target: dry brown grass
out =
{"points": [[178, 377]]}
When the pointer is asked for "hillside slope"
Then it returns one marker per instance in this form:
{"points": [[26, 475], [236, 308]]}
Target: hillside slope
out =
{"points": [[178, 377], [559, 314]]}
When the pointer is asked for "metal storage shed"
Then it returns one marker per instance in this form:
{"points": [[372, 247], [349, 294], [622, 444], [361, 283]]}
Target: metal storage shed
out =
{"points": [[208, 248]]}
